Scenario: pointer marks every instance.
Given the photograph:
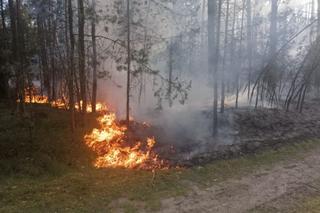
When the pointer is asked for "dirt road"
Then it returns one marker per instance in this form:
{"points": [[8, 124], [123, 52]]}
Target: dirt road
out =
{"points": [[266, 188]]}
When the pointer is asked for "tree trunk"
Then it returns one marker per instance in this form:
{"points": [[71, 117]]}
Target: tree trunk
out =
{"points": [[233, 39], [94, 57], [71, 64], [318, 23], [82, 60], [169, 95], [273, 28], [4, 85], [129, 63], [3, 18], [249, 44], [213, 42], [14, 55], [43, 54], [226, 28], [20, 56], [240, 51], [52, 38]]}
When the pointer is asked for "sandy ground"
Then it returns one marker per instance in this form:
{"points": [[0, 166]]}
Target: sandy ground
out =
{"points": [[266, 187]]}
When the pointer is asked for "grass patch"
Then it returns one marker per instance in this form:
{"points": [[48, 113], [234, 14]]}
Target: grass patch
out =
{"points": [[52, 171]]}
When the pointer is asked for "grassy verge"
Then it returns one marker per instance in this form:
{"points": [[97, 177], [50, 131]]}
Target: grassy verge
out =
{"points": [[51, 172]]}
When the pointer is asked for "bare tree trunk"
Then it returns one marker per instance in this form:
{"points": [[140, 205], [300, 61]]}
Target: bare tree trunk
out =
{"points": [[20, 54], [312, 18], [318, 26], [240, 51], [204, 39], [216, 76], [273, 28], [233, 39], [303, 98], [170, 73], [211, 48], [52, 37], [94, 57], [249, 44], [3, 18], [4, 85], [129, 63], [214, 40], [257, 96], [224, 57], [82, 59], [14, 48], [71, 65], [43, 54]]}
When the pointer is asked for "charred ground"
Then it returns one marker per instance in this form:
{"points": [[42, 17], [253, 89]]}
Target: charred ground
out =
{"points": [[244, 131]]}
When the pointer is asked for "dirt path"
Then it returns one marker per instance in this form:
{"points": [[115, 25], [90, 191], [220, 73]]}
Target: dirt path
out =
{"points": [[242, 195]]}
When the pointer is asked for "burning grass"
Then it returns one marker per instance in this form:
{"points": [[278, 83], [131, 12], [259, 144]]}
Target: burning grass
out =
{"points": [[112, 142], [115, 148], [33, 96]]}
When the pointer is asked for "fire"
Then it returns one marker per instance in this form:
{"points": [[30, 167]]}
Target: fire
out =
{"points": [[99, 107], [32, 97], [60, 103], [110, 144], [36, 99]]}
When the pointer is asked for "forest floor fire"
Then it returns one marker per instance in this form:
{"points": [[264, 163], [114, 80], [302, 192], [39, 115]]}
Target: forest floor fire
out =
{"points": [[112, 142], [114, 145]]}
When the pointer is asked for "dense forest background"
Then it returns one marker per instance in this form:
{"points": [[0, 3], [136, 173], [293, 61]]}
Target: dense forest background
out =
{"points": [[161, 53]]}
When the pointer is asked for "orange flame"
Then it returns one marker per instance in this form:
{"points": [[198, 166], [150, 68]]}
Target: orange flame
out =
{"points": [[109, 142], [58, 103]]}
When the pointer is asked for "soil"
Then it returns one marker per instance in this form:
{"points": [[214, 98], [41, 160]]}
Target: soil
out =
{"points": [[270, 188]]}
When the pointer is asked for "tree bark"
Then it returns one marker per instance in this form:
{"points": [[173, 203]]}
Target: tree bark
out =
{"points": [[129, 63], [233, 39], [170, 73], [3, 17], [214, 40], [94, 57], [82, 60], [318, 23], [14, 48], [226, 28], [273, 28], [249, 44], [71, 65], [240, 51]]}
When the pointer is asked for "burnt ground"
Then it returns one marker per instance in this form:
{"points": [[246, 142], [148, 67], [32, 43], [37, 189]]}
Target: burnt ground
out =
{"points": [[242, 131]]}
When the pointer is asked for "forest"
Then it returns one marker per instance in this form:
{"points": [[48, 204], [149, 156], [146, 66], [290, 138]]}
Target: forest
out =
{"points": [[160, 106]]}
